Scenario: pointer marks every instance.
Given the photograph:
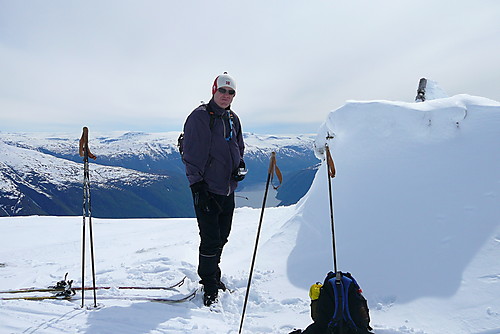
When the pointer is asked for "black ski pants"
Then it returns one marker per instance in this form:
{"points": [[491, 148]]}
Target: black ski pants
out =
{"points": [[214, 227]]}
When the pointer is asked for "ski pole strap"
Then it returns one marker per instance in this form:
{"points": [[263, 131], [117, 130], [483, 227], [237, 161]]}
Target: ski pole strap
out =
{"points": [[274, 169], [329, 162], [84, 144]]}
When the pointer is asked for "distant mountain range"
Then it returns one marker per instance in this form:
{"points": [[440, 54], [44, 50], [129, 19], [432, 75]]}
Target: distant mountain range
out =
{"points": [[135, 175]]}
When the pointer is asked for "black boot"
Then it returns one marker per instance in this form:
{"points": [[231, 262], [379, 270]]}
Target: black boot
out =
{"points": [[209, 299]]}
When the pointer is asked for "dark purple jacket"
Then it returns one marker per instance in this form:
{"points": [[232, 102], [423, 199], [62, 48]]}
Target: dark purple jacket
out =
{"points": [[208, 156]]}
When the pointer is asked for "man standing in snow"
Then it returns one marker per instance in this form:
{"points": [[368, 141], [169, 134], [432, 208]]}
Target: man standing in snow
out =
{"points": [[213, 154]]}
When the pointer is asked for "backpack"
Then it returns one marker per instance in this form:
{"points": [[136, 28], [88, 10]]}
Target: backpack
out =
{"points": [[351, 314], [180, 140]]}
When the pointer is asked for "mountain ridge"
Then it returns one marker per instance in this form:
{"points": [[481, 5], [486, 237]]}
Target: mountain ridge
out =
{"points": [[137, 167]]}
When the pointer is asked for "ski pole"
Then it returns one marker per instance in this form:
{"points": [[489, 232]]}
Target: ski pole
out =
{"points": [[91, 236], [330, 167], [273, 168], [85, 152]]}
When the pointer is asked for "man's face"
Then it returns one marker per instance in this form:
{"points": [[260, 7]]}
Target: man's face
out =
{"points": [[223, 97]]}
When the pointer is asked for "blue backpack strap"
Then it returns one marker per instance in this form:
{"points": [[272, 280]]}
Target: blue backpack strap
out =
{"points": [[347, 313], [340, 286], [348, 274], [338, 283], [338, 296]]}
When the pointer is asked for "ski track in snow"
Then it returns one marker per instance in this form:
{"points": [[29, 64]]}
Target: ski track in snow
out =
{"points": [[126, 261], [134, 252]]}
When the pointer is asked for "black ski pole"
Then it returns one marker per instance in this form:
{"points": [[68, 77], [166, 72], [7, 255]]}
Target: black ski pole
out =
{"points": [[273, 168], [84, 152], [87, 212], [91, 236], [330, 167]]}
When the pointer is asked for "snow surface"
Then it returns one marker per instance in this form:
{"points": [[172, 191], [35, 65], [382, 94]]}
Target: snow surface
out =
{"points": [[417, 220]]}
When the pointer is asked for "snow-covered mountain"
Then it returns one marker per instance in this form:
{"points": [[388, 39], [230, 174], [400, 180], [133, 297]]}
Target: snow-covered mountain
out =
{"points": [[40, 173], [417, 222], [32, 182], [156, 152]]}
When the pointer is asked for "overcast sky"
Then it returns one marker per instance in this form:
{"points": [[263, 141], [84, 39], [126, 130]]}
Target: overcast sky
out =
{"points": [[144, 65]]}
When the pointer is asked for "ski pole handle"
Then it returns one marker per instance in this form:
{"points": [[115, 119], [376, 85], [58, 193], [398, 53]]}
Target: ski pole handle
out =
{"points": [[84, 144], [274, 169], [329, 162]]}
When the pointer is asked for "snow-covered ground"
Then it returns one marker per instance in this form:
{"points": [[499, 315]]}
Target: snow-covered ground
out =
{"points": [[417, 217]]}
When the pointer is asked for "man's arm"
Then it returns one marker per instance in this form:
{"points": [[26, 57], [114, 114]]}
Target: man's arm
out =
{"points": [[197, 141]]}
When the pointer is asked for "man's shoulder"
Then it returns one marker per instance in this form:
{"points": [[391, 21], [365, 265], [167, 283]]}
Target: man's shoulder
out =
{"points": [[200, 111], [201, 108], [198, 116]]}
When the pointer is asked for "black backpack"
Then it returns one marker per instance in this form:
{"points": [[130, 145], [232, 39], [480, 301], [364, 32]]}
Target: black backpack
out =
{"points": [[349, 308]]}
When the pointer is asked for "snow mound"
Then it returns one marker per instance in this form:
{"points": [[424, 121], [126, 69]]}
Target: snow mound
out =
{"points": [[416, 200]]}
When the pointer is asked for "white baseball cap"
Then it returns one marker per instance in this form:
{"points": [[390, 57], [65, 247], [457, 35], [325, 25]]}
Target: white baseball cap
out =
{"points": [[223, 80]]}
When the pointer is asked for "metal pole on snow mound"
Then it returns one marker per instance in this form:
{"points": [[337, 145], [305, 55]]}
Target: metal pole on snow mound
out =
{"points": [[84, 152], [422, 86], [330, 167], [273, 169]]}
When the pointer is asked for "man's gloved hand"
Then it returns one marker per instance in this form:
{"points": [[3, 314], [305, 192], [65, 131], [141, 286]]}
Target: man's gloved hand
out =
{"points": [[201, 196], [240, 172]]}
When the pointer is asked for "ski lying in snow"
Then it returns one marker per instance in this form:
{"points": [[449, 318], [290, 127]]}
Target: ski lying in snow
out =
{"points": [[67, 286], [167, 300], [37, 298]]}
